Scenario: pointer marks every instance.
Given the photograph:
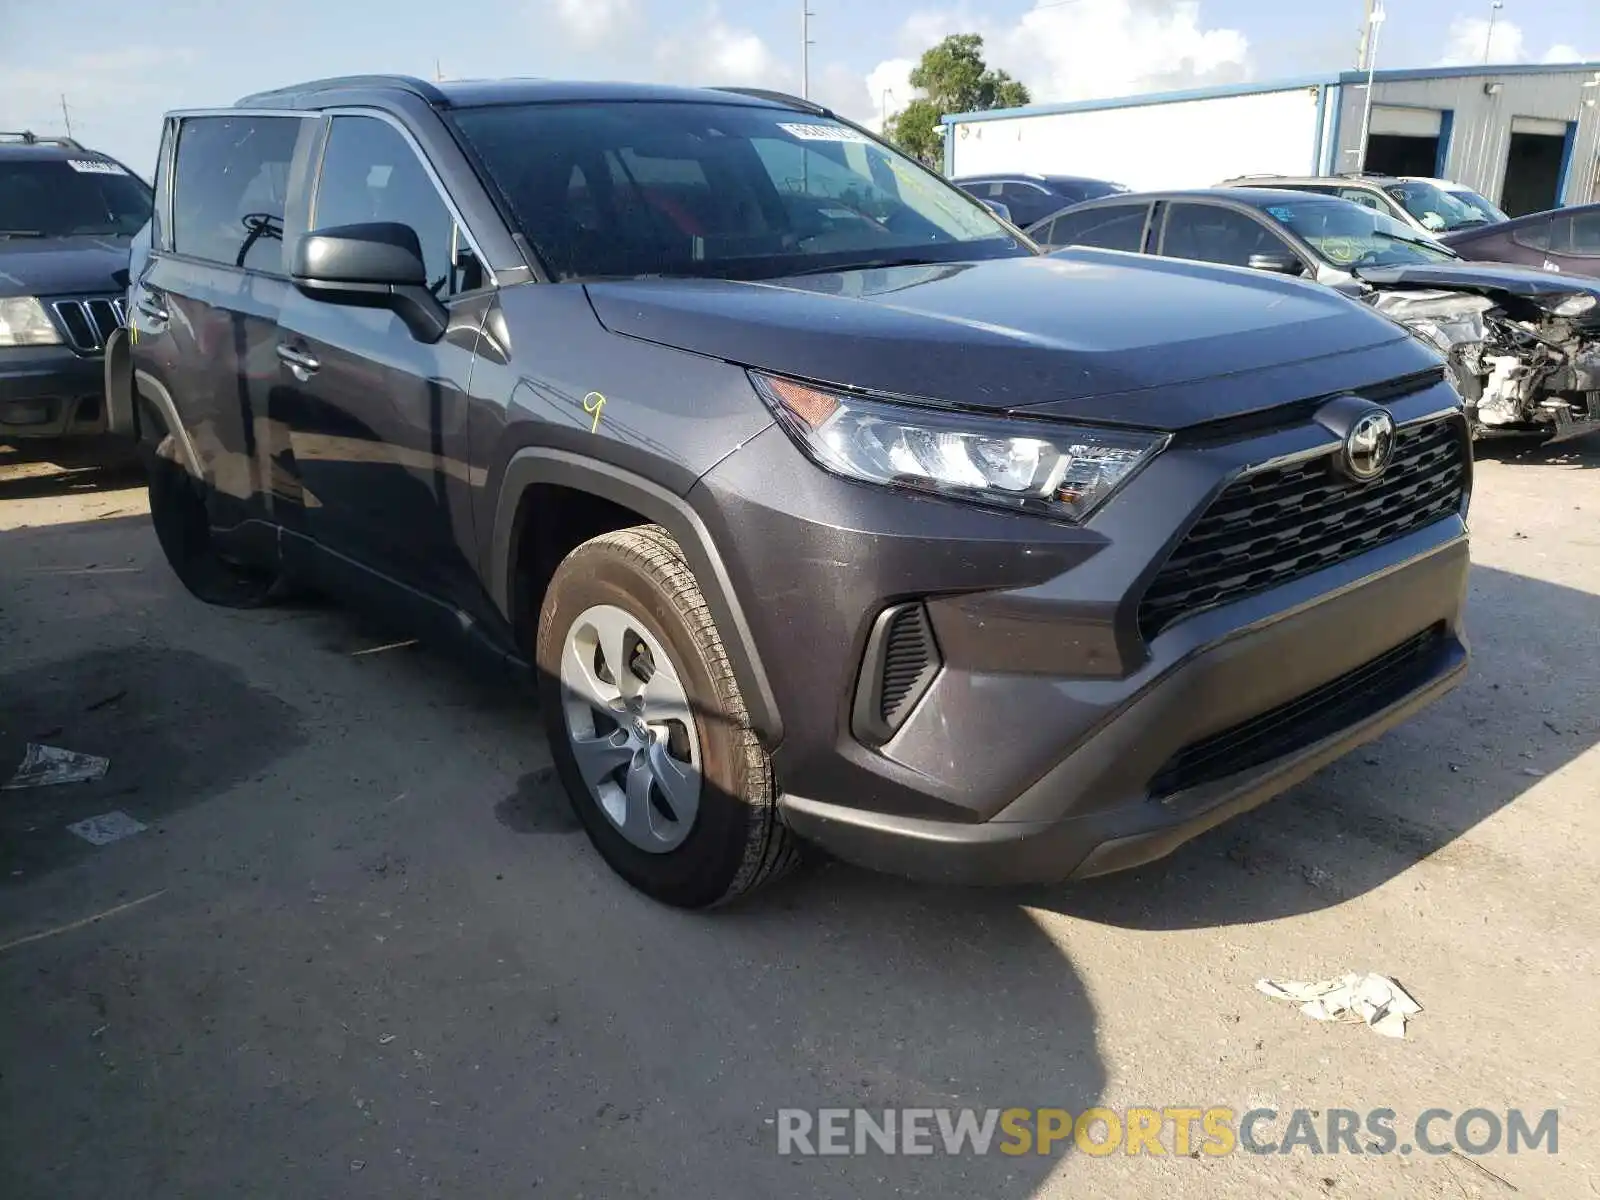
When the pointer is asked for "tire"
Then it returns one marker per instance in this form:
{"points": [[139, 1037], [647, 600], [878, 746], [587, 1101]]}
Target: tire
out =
{"points": [[736, 841], [178, 512]]}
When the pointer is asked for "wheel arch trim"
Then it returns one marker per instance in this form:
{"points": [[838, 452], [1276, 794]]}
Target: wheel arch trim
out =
{"points": [[153, 390], [540, 465]]}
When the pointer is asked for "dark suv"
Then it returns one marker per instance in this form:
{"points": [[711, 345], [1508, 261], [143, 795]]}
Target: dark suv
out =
{"points": [[67, 216], [820, 507]]}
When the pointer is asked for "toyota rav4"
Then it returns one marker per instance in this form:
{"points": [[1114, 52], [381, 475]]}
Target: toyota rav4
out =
{"points": [[822, 508]]}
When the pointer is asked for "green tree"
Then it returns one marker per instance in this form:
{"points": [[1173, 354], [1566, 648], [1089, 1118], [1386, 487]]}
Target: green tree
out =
{"points": [[952, 78]]}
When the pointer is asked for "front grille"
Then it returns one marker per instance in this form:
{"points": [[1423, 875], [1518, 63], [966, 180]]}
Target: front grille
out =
{"points": [[1319, 713], [89, 321], [1282, 523]]}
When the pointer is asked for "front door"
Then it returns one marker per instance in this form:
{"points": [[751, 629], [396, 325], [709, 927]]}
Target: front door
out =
{"points": [[378, 419], [206, 305]]}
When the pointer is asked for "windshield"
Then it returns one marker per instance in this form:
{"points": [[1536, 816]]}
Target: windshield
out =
{"points": [[1444, 211], [1349, 235], [611, 189], [63, 197]]}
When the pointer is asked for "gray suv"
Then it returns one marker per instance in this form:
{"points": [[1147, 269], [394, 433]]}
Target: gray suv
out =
{"points": [[821, 508]]}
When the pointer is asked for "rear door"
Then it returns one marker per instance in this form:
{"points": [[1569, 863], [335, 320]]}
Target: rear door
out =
{"points": [[377, 419], [205, 306], [1105, 227]]}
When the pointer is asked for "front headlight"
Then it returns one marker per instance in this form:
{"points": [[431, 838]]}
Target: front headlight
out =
{"points": [[1054, 470], [1574, 306], [23, 323]]}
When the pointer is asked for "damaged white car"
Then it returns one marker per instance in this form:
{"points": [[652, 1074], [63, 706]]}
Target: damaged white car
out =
{"points": [[1523, 345]]}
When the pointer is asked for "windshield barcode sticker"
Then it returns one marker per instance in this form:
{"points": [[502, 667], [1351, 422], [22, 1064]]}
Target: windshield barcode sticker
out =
{"points": [[94, 166], [822, 133]]}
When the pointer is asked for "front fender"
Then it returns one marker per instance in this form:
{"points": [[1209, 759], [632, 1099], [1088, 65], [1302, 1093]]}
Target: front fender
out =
{"points": [[561, 468]]}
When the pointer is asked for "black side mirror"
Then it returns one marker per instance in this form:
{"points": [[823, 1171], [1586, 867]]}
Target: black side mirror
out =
{"points": [[374, 265], [1278, 264]]}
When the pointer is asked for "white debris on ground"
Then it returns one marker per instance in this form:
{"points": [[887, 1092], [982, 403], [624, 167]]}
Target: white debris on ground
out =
{"points": [[44, 765], [1376, 999], [106, 828]]}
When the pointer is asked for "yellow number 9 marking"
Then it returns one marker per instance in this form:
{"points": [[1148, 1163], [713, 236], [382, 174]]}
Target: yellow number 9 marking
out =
{"points": [[593, 403]]}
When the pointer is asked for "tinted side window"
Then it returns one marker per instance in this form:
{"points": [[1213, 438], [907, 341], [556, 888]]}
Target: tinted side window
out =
{"points": [[1583, 235], [371, 173], [1365, 199], [231, 184], [1206, 233], [1115, 227], [1535, 236]]}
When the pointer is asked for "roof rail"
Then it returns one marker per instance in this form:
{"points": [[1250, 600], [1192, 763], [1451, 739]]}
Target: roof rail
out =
{"points": [[783, 98], [402, 83], [28, 138]]}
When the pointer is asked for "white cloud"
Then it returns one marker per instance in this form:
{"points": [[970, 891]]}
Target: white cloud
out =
{"points": [[889, 88], [1464, 44], [589, 22], [717, 52], [1561, 52], [1092, 48]]}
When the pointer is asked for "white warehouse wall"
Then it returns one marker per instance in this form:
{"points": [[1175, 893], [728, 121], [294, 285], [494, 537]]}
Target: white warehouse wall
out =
{"points": [[1178, 144]]}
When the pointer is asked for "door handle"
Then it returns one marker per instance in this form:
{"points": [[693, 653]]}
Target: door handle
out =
{"points": [[302, 364], [151, 309]]}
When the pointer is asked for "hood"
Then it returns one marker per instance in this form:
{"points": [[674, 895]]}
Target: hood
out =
{"points": [[1090, 334], [63, 266], [1483, 278]]}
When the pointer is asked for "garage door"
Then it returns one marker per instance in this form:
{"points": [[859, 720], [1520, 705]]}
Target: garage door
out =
{"points": [[1405, 122], [1539, 125]]}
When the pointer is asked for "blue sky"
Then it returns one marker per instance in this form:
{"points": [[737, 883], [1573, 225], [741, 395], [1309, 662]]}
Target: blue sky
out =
{"points": [[122, 65]]}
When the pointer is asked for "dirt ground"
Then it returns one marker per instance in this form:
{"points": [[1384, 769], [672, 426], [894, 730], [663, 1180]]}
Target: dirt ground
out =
{"points": [[361, 950]]}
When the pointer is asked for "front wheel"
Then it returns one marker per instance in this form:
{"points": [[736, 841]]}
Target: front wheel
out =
{"points": [[183, 527], [648, 728]]}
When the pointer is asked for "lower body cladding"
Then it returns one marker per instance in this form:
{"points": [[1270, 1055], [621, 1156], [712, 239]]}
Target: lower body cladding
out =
{"points": [[971, 696], [1521, 370], [50, 393]]}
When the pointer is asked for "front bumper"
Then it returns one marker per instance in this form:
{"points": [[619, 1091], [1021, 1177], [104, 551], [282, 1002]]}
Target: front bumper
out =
{"points": [[50, 392], [1046, 744]]}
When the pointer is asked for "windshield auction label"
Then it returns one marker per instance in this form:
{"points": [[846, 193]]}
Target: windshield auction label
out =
{"points": [[822, 133], [94, 166]]}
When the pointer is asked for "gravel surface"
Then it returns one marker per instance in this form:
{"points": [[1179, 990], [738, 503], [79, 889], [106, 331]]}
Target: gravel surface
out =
{"points": [[360, 948]]}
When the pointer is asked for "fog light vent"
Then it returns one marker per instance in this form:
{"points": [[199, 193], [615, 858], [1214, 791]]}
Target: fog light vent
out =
{"points": [[901, 662]]}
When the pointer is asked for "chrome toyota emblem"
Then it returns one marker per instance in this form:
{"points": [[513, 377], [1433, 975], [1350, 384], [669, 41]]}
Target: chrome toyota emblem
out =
{"points": [[1369, 445]]}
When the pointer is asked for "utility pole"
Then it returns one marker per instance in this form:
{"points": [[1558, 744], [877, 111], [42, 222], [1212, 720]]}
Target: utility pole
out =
{"points": [[1374, 20], [438, 72], [805, 49], [66, 114], [1364, 48], [1488, 38]]}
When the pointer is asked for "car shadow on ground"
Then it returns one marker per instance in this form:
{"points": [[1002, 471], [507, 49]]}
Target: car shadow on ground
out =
{"points": [[1582, 452], [25, 478]]}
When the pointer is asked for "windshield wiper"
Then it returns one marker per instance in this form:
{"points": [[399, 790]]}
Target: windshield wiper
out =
{"points": [[873, 264], [10, 233]]}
